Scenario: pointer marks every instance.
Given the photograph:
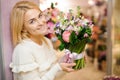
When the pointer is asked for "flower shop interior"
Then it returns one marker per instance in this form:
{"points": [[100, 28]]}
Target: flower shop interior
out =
{"points": [[102, 53]]}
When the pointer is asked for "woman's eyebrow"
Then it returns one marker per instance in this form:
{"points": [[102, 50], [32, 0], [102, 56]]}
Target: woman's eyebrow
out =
{"points": [[40, 14], [31, 19]]}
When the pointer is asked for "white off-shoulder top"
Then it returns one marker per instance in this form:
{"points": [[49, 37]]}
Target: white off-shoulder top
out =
{"points": [[31, 61]]}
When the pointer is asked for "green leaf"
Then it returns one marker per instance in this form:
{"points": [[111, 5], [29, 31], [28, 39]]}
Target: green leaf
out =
{"points": [[81, 33], [52, 6], [78, 11], [88, 31], [62, 46], [73, 38]]}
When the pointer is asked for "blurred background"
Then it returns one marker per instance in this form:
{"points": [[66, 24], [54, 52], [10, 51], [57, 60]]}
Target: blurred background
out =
{"points": [[103, 52]]}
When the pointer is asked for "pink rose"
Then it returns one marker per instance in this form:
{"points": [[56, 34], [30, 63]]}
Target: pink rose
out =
{"points": [[50, 27], [66, 35]]}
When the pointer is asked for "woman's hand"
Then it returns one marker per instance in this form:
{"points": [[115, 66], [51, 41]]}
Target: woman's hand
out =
{"points": [[67, 67]]}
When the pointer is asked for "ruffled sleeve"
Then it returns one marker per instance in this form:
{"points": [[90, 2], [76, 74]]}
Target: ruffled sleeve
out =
{"points": [[23, 68], [22, 60]]}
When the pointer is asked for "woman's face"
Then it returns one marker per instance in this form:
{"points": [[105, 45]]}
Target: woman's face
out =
{"points": [[35, 22]]}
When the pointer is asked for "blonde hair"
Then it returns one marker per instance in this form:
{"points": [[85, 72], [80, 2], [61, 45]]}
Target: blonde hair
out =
{"points": [[17, 20]]}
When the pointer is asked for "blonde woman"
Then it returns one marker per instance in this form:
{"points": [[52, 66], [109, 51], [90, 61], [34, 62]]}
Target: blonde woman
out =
{"points": [[33, 55]]}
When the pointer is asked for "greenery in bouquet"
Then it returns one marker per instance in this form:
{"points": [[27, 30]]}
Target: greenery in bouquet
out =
{"points": [[74, 31]]}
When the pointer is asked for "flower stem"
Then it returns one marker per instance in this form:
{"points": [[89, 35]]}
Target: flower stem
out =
{"points": [[78, 48]]}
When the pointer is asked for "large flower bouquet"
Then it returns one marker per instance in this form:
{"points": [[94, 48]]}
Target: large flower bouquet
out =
{"points": [[74, 31]]}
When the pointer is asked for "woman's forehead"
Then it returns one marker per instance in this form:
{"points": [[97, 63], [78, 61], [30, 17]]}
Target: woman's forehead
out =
{"points": [[32, 13]]}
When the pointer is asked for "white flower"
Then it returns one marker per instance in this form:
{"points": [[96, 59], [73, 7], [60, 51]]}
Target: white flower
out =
{"points": [[76, 28], [63, 27]]}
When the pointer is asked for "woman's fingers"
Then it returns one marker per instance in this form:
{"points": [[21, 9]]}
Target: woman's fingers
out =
{"points": [[67, 66], [70, 64], [69, 70]]}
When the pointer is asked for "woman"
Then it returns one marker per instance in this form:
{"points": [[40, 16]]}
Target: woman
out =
{"points": [[33, 56]]}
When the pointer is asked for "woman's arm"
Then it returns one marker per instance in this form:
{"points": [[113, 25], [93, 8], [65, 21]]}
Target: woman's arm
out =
{"points": [[35, 75], [50, 75]]}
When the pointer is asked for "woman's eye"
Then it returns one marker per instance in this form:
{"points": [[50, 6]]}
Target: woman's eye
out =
{"points": [[32, 21], [40, 16]]}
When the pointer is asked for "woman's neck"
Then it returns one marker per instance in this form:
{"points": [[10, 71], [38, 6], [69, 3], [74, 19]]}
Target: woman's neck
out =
{"points": [[37, 39]]}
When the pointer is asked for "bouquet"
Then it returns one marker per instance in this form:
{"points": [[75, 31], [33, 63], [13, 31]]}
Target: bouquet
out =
{"points": [[74, 31]]}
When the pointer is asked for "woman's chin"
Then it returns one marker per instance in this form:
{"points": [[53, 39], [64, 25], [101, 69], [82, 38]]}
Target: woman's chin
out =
{"points": [[44, 33]]}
